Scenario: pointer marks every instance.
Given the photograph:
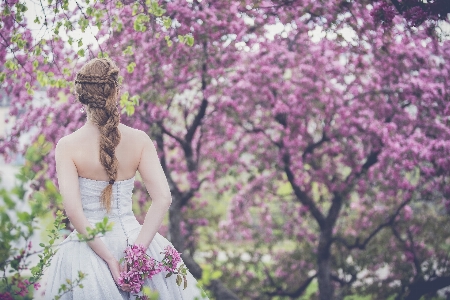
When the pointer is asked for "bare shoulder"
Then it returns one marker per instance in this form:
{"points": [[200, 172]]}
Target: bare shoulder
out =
{"points": [[64, 147], [128, 129], [136, 134], [70, 139]]}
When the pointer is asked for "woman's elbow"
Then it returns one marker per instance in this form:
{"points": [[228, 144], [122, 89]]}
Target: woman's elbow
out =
{"points": [[162, 197], [72, 215], [168, 198]]}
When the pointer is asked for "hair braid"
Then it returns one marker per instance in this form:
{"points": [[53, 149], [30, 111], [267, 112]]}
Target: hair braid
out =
{"points": [[96, 86]]}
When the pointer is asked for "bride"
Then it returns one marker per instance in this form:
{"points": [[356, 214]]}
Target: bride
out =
{"points": [[96, 167]]}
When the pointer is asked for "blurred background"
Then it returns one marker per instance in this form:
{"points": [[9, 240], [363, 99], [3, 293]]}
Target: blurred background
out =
{"points": [[306, 143]]}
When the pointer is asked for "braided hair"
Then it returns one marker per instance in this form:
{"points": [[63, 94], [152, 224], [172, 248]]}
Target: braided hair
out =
{"points": [[96, 85]]}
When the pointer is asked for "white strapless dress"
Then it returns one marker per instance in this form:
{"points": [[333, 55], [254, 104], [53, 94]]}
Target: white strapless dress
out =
{"points": [[73, 256]]}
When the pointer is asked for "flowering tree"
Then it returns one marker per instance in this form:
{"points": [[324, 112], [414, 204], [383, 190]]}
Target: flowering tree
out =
{"points": [[349, 137]]}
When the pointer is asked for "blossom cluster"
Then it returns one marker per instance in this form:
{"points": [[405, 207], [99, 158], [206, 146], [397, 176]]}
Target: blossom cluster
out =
{"points": [[141, 266], [383, 14]]}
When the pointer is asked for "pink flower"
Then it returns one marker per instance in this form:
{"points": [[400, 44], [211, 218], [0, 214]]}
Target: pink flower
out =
{"points": [[407, 212], [37, 285], [415, 15], [383, 13], [141, 266], [6, 296], [171, 258]]}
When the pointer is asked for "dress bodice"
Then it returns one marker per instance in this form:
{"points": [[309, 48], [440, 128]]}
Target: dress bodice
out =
{"points": [[121, 205]]}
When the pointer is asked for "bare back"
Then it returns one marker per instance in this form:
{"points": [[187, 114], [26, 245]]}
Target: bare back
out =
{"points": [[84, 150], [77, 154]]}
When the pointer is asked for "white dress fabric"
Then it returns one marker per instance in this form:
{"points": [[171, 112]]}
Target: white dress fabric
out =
{"points": [[73, 255]]}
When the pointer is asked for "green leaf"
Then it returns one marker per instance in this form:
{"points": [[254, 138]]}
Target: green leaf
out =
{"points": [[216, 274], [167, 22], [24, 216], [68, 25], [29, 88], [6, 11], [135, 100], [130, 67], [128, 51], [83, 24], [102, 54], [130, 110], [81, 52], [37, 51], [189, 40], [11, 65], [139, 22]]}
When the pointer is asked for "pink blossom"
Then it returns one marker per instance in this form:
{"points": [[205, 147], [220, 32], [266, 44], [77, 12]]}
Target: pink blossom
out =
{"points": [[141, 266], [407, 212], [415, 15]]}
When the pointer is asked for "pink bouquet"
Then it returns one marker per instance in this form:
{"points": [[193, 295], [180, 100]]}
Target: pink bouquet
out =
{"points": [[141, 266]]}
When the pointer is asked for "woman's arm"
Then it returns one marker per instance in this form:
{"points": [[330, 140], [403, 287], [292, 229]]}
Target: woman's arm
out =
{"points": [[70, 191], [157, 186]]}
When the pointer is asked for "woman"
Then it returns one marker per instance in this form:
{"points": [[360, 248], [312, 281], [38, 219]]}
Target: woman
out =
{"points": [[96, 168]]}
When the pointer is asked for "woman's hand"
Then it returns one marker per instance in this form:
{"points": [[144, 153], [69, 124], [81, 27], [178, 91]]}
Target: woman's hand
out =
{"points": [[115, 269]]}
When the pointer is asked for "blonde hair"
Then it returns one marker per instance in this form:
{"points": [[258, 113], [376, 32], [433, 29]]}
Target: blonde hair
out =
{"points": [[96, 85]]}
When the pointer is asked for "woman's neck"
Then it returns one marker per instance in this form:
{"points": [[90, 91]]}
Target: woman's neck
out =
{"points": [[89, 123]]}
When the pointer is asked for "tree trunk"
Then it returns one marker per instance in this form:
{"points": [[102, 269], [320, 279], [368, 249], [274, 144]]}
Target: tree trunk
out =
{"points": [[175, 236], [326, 291], [421, 287]]}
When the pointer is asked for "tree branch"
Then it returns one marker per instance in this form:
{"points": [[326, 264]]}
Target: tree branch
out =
{"points": [[294, 294], [201, 113], [398, 6], [164, 130], [362, 245], [301, 195], [311, 147]]}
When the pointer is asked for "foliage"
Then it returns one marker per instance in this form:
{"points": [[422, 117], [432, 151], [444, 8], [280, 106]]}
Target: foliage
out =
{"points": [[18, 225]]}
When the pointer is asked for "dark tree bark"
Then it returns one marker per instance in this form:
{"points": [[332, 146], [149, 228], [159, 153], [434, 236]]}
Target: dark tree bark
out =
{"points": [[324, 264], [421, 287]]}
